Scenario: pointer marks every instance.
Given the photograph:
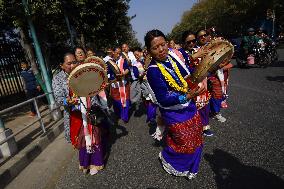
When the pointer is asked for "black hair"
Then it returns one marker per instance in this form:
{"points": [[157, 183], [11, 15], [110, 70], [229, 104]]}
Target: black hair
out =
{"points": [[78, 47], [64, 55], [137, 49], [196, 34], [150, 35], [185, 34], [89, 49]]}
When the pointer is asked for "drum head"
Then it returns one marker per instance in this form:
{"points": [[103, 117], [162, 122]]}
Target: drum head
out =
{"points": [[96, 60], [87, 79], [113, 67], [220, 51]]}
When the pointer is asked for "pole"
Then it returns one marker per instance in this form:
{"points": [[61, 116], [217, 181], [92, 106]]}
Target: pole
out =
{"points": [[41, 61], [39, 115], [2, 126], [69, 29], [64, 3], [273, 24]]}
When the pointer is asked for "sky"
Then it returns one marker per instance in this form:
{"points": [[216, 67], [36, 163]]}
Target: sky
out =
{"points": [[156, 14]]}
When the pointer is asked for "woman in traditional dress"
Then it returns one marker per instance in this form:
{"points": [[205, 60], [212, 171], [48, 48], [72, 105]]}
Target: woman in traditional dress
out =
{"points": [[184, 142], [119, 87], [202, 101], [90, 52], [85, 134], [150, 106], [80, 54], [217, 84], [61, 89], [226, 71]]}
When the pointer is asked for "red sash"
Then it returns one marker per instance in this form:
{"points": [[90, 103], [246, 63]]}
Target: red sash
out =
{"points": [[75, 126], [77, 132], [121, 85]]}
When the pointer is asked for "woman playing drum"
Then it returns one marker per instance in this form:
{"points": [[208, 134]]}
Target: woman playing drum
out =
{"points": [[118, 71], [184, 142], [192, 50], [88, 137]]}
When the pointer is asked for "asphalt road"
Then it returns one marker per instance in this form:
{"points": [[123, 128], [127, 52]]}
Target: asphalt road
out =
{"points": [[247, 151]]}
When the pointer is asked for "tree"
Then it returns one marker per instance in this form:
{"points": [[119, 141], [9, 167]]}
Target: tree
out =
{"points": [[102, 23], [229, 16]]}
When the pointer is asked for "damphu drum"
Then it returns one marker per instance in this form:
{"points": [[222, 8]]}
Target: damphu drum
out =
{"points": [[88, 79], [220, 51]]}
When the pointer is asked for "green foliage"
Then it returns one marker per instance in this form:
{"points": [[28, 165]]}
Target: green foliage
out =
{"points": [[103, 23], [228, 16]]}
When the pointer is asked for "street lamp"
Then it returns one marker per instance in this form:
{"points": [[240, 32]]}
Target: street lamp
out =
{"points": [[273, 24]]}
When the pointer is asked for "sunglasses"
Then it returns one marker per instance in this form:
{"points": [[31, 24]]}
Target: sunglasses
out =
{"points": [[74, 62], [205, 35], [190, 41]]}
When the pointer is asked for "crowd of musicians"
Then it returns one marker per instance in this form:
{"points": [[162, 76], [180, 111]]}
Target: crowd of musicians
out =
{"points": [[154, 77]]}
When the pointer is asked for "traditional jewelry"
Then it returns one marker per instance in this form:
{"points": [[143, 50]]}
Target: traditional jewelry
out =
{"points": [[169, 78]]}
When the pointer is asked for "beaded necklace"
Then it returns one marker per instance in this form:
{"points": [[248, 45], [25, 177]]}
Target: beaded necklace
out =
{"points": [[181, 86]]}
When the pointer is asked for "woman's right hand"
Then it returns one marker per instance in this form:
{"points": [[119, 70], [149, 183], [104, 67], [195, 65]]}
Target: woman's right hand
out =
{"points": [[119, 77], [195, 92], [72, 101], [200, 53]]}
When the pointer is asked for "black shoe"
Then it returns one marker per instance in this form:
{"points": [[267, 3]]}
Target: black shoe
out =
{"points": [[208, 132]]}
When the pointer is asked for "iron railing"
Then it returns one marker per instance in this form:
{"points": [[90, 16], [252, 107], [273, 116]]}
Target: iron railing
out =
{"points": [[39, 116]]}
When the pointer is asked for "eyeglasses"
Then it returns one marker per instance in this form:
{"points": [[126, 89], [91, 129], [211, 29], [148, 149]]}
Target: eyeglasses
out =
{"points": [[79, 53], [190, 41]]}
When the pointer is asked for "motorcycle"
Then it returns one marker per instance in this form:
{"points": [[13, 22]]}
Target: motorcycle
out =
{"points": [[261, 55], [272, 52]]}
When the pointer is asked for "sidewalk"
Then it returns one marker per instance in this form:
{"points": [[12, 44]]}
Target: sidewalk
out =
{"points": [[16, 120], [45, 170], [31, 142]]}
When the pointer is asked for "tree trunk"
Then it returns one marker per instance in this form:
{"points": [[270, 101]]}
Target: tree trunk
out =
{"points": [[29, 53], [82, 41]]}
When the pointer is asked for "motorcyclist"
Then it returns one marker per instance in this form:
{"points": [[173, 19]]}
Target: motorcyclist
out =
{"points": [[249, 41], [247, 44], [264, 37]]}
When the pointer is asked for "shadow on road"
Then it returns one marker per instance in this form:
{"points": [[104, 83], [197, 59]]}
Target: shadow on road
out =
{"points": [[115, 132], [275, 78], [231, 173], [278, 64]]}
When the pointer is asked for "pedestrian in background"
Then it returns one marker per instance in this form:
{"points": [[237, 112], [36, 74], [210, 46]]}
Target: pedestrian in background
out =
{"points": [[30, 84]]}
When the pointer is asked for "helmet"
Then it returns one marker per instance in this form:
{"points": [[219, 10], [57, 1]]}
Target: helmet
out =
{"points": [[250, 30], [260, 30]]}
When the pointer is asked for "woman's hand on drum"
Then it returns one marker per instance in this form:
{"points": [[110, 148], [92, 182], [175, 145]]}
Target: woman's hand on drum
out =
{"points": [[72, 101], [224, 63], [200, 53], [119, 77], [105, 85], [195, 92]]}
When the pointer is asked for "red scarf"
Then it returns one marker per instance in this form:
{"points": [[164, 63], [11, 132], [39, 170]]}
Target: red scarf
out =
{"points": [[121, 84]]}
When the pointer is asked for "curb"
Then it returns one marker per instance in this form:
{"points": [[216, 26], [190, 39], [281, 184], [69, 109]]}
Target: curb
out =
{"points": [[17, 163]]}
